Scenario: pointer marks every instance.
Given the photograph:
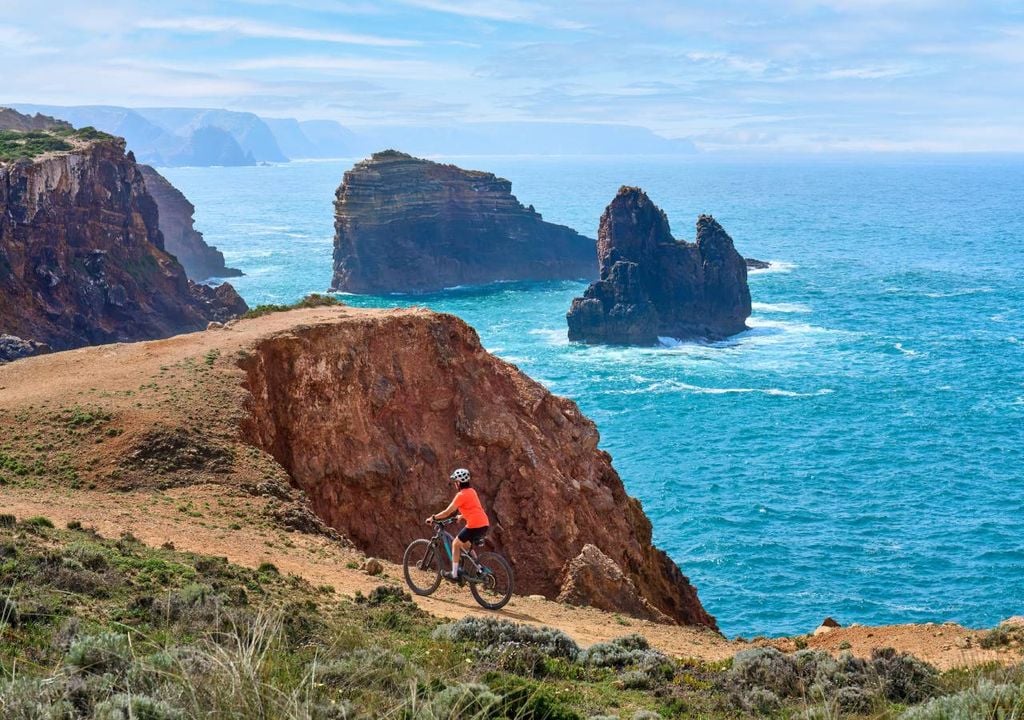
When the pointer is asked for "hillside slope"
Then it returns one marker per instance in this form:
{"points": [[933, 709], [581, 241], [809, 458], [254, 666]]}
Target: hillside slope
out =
{"points": [[145, 438]]}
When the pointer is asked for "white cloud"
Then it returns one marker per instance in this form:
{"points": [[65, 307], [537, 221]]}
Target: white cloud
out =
{"points": [[406, 69], [867, 73], [502, 11], [254, 29]]}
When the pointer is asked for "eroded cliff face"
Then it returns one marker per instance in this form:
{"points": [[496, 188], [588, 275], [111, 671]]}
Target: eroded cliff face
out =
{"points": [[370, 415], [408, 225], [82, 259], [653, 285], [181, 239]]}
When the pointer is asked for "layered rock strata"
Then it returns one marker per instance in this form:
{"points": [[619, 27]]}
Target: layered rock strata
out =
{"points": [[370, 413], [181, 239], [408, 225], [82, 259], [653, 285]]}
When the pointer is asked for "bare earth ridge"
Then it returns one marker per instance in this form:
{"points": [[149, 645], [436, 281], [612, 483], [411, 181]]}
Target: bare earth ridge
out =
{"points": [[153, 430]]}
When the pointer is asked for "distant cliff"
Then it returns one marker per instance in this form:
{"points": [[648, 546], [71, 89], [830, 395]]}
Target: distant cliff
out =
{"points": [[82, 259], [181, 239], [408, 225], [653, 285]]}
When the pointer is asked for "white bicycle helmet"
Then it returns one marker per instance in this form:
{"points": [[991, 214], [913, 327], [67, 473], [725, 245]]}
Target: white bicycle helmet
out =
{"points": [[460, 476]]}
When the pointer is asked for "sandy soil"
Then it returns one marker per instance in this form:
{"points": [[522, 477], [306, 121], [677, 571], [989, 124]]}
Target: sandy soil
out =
{"points": [[191, 380]]}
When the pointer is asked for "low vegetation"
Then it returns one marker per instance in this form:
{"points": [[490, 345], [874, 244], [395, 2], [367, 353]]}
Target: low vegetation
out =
{"points": [[310, 301], [15, 144], [109, 628]]}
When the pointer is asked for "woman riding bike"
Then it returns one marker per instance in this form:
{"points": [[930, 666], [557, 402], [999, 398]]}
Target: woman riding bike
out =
{"points": [[467, 503]]}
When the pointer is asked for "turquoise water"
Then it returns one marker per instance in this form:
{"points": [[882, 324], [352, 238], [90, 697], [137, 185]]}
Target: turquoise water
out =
{"points": [[857, 453]]}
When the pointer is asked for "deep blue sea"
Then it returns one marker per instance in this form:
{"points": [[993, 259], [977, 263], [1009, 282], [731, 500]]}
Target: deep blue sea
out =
{"points": [[858, 453]]}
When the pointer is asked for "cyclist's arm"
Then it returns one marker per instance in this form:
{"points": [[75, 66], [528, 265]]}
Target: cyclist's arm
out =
{"points": [[447, 512]]}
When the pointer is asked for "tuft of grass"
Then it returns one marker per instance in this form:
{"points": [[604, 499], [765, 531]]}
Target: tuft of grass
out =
{"points": [[310, 301], [39, 521]]}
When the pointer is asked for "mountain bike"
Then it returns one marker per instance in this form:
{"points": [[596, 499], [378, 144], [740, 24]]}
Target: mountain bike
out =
{"points": [[488, 574]]}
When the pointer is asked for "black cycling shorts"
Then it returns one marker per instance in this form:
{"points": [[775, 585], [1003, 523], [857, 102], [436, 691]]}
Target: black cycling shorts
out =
{"points": [[473, 535]]}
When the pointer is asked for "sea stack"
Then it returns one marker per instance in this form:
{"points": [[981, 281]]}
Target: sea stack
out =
{"points": [[82, 259], [181, 239], [653, 285], [406, 225]]}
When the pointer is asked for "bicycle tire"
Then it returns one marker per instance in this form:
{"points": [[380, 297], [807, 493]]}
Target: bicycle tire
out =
{"points": [[425, 575], [494, 589]]}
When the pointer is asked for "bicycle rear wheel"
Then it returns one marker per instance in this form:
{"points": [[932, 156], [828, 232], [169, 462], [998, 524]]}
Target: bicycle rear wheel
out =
{"points": [[421, 567], [493, 588]]}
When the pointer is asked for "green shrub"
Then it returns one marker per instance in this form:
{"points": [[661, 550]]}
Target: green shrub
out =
{"points": [[373, 668], [385, 595], [27, 698], [495, 633], [269, 568], [465, 701], [39, 521], [527, 700], [1004, 635], [135, 707], [310, 301], [904, 678], [99, 654], [7, 520], [622, 652], [985, 700], [635, 680]]}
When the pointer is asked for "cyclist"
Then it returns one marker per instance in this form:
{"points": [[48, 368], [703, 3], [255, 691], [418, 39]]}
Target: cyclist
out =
{"points": [[467, 503]]}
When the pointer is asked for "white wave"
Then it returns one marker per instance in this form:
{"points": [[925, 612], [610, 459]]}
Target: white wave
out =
{"points": [[944, 388], [1018, 401], [781, 307], [774, 266], [557, 337], [676, 386], [905, 351], [959, 293], [1013, 340]]}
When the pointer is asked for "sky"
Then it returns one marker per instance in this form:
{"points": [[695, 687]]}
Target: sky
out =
{"points": [[780, 75]]}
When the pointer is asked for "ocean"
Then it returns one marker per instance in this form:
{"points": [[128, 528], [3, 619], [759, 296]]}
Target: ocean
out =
{"points": [[858, 453]]}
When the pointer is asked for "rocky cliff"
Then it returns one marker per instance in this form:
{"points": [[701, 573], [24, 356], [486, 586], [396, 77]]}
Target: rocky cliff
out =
{"points": [[181, 239], [653, 285], [369, 414], [408, 225], [81, 256]]}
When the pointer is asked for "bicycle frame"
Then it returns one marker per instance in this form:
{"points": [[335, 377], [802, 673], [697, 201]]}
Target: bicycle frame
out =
{"points": [[446, 539]]}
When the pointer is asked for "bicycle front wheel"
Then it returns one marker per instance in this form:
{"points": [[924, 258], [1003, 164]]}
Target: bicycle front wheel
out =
{"points": [[493, 588], [421, 567]]}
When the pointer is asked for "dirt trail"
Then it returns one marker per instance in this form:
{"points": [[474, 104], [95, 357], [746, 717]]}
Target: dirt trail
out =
{"points": [[190, 379], [156, 518]]}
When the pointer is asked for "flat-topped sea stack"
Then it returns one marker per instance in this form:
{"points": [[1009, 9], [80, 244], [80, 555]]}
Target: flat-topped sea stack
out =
{"points": [[82, 259], [653, 285], [181, 239], [408, 225]]}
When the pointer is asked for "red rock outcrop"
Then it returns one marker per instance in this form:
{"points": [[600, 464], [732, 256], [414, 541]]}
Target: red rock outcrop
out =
{"points": [[369, 416], [592, 578], [181, 239], [408, 225], [653, 285], [81, 256]]}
